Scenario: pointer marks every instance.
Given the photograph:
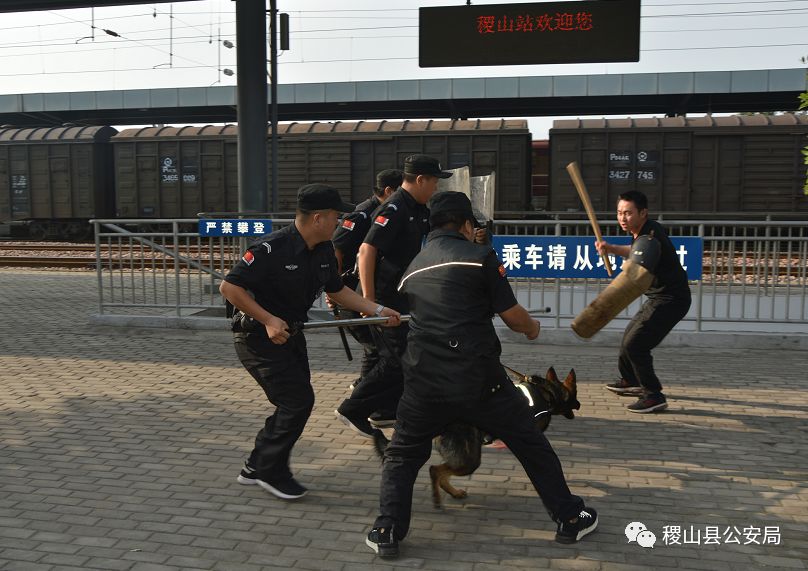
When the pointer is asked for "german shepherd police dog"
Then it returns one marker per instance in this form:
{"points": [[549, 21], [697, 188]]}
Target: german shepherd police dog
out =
{"points": [[461, 444]]}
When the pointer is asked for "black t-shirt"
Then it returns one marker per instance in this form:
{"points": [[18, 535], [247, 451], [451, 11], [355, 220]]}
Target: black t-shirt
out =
{"points": [[454, 287], [398, 230], [284, 275], [352, 231], [670, 279]]}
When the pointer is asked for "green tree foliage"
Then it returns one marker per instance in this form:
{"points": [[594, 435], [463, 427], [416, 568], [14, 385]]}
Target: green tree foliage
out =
{"points": [[804, 105]]}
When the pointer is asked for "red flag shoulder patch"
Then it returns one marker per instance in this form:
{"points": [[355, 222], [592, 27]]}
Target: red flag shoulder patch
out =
{"points": [[248, 257], [348, 224], [381, 220], [502, 270]]}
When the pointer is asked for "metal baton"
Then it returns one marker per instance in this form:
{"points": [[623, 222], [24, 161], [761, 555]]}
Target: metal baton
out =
{"points": [[533, 312], [343, 337], [346, 322]]}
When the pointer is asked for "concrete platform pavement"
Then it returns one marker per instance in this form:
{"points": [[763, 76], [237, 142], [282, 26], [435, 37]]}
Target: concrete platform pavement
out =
{"points": [[119, 450]]}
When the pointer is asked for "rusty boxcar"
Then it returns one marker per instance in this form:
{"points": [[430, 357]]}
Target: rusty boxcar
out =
{"points": [[740, 163], [165, 172], [56, 178]]}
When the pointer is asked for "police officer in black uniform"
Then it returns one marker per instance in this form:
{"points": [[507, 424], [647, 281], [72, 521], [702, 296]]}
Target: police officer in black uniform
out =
{"points": [[452, 373], [668, 301], [272, 288], [396, 235], [347, 238]]}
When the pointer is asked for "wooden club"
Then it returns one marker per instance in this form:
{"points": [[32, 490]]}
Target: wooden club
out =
{"points": [[575, 175]]}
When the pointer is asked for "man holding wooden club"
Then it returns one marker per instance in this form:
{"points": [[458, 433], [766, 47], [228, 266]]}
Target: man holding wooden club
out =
{"points": [[668, 300]]}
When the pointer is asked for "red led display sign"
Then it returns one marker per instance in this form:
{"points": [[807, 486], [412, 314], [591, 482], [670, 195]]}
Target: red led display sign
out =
{"points": [[535, 33]]}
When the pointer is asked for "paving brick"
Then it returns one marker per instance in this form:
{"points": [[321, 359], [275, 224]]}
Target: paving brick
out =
{"points": [[64, 560], [143, 432], [26, 566], [779, 562], [153, 567], [108, 564], [21, 555]]}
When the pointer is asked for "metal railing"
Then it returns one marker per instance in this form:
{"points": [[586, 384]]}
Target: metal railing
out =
{"points": [[754, 273], [162, 267]]}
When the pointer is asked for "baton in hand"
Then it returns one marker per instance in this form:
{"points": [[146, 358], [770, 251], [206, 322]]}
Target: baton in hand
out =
{"points": [[309, 325], [343, 337], [578, 181]]}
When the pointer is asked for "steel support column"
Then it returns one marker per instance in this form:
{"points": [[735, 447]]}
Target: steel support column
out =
{"points": [[273, 72], [251, 53]]}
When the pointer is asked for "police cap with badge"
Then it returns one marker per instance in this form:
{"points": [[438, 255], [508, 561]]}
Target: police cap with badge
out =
{"points": [[424, 165], [451, 201], [320, 196]]}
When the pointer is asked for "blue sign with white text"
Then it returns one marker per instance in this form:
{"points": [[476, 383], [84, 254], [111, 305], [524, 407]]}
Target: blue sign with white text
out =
{"points": [[576, 256], [235, 227]]}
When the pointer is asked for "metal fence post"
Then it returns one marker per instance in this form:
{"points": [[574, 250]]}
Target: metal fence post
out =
{"points": [[700, 288], [152, 297], [175, 230], [98, 272]]}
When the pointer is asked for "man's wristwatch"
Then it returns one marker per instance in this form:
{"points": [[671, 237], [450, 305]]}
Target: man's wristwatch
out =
{"points": [[378, 312]]}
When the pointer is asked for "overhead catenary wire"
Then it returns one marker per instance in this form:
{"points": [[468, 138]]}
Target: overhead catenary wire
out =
{"points": [[231, 36], [128, 37], [101, 43], [665, 4], [371, 28], [72, 72], [125, 41], [309, 61], [144, 45], [95, 49], [306, 61], [331, 16]]}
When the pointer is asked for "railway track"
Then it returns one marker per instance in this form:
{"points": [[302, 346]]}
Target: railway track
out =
{"points": [[46, 262], [40, 247], [61, 247], [24, 254], [85, 262]]}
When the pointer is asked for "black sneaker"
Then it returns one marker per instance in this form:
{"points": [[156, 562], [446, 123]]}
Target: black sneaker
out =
{"points": [[382, 419], [382, 541], [623, 388], [289, 489], [359, 425], [649, 404], [572, 531], [247, 475]]}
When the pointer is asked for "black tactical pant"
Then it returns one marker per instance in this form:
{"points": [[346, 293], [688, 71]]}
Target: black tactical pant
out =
{"points": [[645, 331], [364, 336], [380, 389], [283, 373], [504, 414]]}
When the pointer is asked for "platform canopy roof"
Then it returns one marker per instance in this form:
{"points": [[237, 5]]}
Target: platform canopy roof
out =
{"points": [[571, 95]]}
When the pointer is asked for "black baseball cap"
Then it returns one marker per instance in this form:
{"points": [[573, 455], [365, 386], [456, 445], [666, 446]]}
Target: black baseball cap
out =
{"points": [[389, 177], [450, 201], [422, 164], [320, 196]]}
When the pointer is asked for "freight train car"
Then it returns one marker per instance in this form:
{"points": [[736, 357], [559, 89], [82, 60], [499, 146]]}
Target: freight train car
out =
{"points": [[56, 178], [708, 164], [540, 180], [168, 172]]}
